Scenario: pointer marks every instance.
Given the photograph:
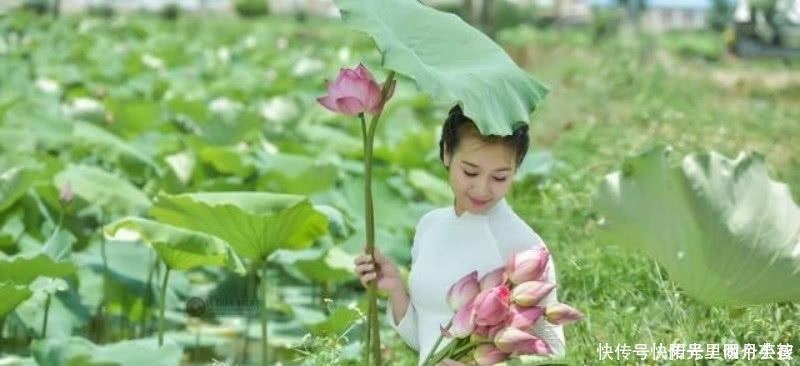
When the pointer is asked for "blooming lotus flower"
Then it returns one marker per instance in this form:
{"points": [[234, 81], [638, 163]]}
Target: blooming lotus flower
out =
{"points": [[463, 291], [354, 92], [561, 314], [529, 293], [488, 354], [491, 306], [524, 318], [493, 279], [516, 341], [463, 324], [528, 265]]}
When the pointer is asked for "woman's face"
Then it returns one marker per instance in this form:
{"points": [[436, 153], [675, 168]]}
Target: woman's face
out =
{"points": [[480, 173]]}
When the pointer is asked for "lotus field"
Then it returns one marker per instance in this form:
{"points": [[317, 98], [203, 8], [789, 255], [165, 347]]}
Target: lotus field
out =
{"points": [[172, 193]]}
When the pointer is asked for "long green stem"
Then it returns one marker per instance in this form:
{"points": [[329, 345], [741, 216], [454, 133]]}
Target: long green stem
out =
{"points": [[375, 338], [163, 306], [46, 315], [149, 295], [264, 334], [365, 360]]}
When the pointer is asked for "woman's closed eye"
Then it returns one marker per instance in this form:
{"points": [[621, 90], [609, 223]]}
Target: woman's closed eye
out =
{"points": [[470, 174]]}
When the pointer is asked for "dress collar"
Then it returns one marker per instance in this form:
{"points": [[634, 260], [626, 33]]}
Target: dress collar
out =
{"points": [[498, 207]]}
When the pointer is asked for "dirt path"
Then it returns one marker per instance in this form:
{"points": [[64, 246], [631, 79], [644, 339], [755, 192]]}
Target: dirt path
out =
{"points": [[769, 79]]}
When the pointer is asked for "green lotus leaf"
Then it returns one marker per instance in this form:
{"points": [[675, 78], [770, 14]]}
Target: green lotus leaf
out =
{"points": [[181, 249], [449, 60], [725, 232], [254, 224]]}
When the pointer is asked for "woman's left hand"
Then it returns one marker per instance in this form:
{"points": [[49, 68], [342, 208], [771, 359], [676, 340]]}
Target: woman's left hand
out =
{"points": [[449, 362]]}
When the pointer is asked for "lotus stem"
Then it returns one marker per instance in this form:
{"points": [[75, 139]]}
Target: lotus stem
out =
{"points": [[46, 315], [374, 333], [163, 306], [264, 333], [149, 294]]}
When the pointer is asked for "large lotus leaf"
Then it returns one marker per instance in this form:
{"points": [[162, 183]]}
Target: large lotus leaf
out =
{"points": [[726, 233], [449, 60], [81, 352], [13, 185], [109, 145], [255, 224], [23, 269], [102, 188], [179, 248], [11, 295]]}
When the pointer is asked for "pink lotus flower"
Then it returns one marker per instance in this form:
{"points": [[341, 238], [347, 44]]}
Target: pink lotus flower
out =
{"points": [[463, 324], [524, 318], [463, 291], [562, 314], [491, 306], [516, 341], [493, 279], [529, 293], [487, 355], [354, 92], [528, 265]]}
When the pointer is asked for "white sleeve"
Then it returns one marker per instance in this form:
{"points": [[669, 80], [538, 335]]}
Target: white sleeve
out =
{"points": [[407, 327]]}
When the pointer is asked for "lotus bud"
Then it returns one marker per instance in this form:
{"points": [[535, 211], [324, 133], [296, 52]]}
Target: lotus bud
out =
{"points": [[492, 306], [66, 193], [516, 341], [354, 92], [562, 314], [525, 317], [463, 324], [529, 293], [463, 291], [488, 354], [528, 265]]}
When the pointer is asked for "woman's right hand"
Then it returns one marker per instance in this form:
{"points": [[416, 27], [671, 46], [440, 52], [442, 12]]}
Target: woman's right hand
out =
{"points": [[384, 270]]}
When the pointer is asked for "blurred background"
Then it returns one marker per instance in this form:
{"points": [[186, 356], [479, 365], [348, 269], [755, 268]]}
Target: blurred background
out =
{"points": [[200, 96]]}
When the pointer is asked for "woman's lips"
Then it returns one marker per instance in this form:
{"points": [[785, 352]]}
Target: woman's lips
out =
{"points": [[478, 202]]}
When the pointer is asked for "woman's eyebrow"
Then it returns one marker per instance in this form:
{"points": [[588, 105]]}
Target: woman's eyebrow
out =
{"points": [[476, 166]]}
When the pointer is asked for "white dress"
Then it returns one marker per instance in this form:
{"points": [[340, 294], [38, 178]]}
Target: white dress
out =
{"points": [[446, 247]]}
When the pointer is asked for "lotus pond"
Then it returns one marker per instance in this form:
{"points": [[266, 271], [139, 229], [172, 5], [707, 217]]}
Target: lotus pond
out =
{"points": [[211, 128]]}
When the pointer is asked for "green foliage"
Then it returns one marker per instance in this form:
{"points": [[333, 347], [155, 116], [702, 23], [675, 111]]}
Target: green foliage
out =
{"points": [[720, 15], [101, 10], [170, 11], [251, 8], [508, 14]]}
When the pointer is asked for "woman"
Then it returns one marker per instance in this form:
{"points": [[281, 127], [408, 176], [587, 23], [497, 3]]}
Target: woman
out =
{"points": [[479, 232]]}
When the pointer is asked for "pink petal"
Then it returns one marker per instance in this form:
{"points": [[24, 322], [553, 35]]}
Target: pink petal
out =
{"points": [[463, 291], [329, 102], [350, 106], [493, 279], [364, 73], [525, 317], [463, 324]]}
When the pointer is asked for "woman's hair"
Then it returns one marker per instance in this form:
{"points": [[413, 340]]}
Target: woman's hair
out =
{"points": [[457, 124]]}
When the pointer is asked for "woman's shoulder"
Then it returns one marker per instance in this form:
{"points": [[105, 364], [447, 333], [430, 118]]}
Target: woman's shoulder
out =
{"points": [[514, 231]]}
